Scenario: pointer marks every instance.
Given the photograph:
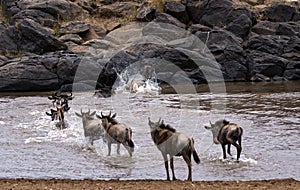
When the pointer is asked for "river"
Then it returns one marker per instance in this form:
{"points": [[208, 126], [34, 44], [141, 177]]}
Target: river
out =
{"points": [[32, 147]]}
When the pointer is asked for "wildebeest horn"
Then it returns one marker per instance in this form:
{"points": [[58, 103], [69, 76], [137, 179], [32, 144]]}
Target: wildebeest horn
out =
{"points": [[159, 120], [210, 123], [89, 111], [81, 111], [109, 113], [102, 115]]}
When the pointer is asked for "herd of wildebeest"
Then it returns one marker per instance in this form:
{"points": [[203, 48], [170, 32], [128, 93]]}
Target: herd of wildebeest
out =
{"points": [[168, 140]]}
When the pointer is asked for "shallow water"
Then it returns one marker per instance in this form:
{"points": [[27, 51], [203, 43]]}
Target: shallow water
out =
{"points": [[32, 147]]}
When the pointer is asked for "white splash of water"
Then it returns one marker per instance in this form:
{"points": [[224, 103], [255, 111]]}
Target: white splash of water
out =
{"points": [[2, 123], [137, 80], [243, 160]]}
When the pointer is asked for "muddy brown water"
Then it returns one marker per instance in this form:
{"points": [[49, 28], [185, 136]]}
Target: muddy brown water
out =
{"points": [[31, 146]]}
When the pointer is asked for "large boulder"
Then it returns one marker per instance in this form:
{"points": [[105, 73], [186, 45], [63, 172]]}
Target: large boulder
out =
{"points": [[117, 9], [36, 39], [28, 36], [265, 28], [228, 51], [212, 13], [177, 10], [266, 43], [35, 73], [288, 29], [223, 14], [145, 12], [268, 65], [279, 13], [292, 71], [74, 27], [168, 19], [44, 12], [240, 26], [9, 41]]}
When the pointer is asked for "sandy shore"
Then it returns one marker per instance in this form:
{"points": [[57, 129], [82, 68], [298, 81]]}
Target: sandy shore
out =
{"points": [[285, 184]]}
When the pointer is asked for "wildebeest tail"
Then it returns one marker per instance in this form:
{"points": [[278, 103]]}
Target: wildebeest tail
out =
{"points": [[195, 155], [130, 143], [128, 138]]}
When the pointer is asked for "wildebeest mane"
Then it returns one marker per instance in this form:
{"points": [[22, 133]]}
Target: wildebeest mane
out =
{"points": [[168, 127]]}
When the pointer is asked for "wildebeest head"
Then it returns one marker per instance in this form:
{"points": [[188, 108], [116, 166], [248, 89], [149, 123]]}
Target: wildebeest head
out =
{"points": [[154, 125], [216, 127], [61, 100], [86, 115], [110, 118]]}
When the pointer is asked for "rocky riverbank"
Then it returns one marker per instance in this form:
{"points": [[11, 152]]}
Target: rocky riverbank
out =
{"points": [[45, 44]]}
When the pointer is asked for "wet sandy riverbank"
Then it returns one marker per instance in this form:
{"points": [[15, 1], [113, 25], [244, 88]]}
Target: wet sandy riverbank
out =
{"points": [[53, 184]]}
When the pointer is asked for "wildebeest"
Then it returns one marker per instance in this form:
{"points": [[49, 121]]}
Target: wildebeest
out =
{"points": [[92, 127], [117, 133], [173, 143], [58, 114], [226, 133], [61, 100]]}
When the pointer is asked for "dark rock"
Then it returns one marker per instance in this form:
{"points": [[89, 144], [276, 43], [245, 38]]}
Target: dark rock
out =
{"points": [[36, 39], [292, 71], [3, 26], [71, 37], [221, 13], [292, 49], [293, 74], [28, 36], [220, 39], [240, 26], [279, 13], [177, 10], [260, 78], [199, 27], [296, 16], [26, 75], [228, 51], [166, 18], [265, 28], [268, 65], [268, 44], [194, 10], [38, 72], [38, 16], [214, 12], [145, 12], [74, 27], [43, 12], [288, 29], [236, 13], [59, 9], [117, 9], [9, 41]]}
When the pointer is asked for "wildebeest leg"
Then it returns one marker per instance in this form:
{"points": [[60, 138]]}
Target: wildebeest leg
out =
{"points": [[187, 159], [224, 151], [109, 147], [172, 167], [239, 149], [228, 149], [166, 165], [118, 148], [128, 150]]}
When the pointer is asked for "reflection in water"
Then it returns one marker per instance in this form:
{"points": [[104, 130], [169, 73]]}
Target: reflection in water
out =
{"points": [[31, 146]]}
